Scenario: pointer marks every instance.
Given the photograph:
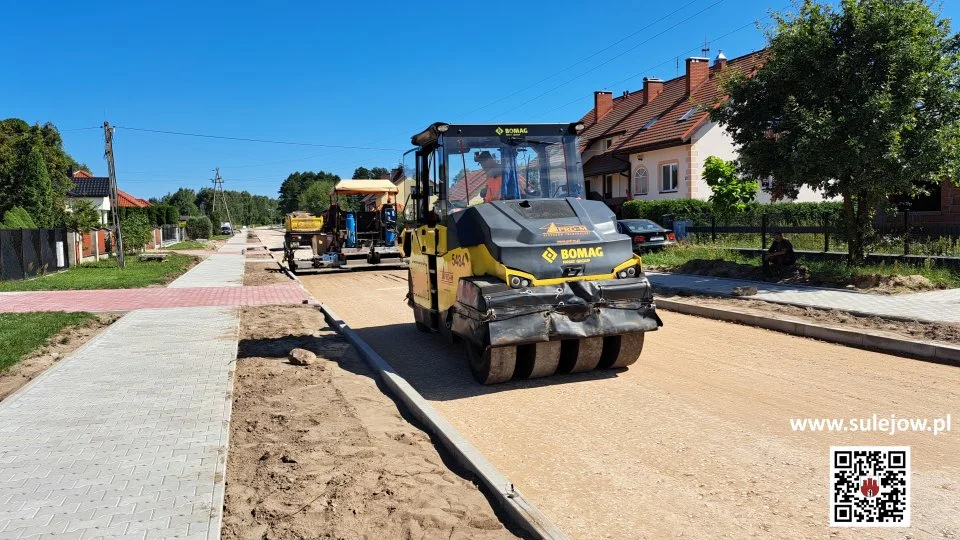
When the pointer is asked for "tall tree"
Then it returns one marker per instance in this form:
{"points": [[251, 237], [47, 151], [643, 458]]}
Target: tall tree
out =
{"points": [[361, 172], [17, 140], [37, 190], [379, 172], [184, 199], [296, 183], [316, 198], [860, 101]]}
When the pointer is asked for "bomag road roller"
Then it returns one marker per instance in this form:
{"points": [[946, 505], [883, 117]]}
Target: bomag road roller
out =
{"points": [[508, 256]]}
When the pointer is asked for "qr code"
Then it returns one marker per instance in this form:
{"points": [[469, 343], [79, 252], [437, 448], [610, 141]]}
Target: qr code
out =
{"points": [[869, 486]]}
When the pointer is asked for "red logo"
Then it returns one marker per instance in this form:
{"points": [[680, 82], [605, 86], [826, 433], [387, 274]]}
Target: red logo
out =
{"points": [[870, 487]]}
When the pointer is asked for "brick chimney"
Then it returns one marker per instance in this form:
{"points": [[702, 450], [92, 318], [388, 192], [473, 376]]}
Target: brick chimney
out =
{"points": [[698, 69], [721, 60], [602, 104], [651, 89]]}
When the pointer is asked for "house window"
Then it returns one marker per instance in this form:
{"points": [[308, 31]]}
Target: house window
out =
{"points": [[668, 177], [608, 186], [766, 184], [650, 124], [609, 144], [640, 181], [688, 114]]}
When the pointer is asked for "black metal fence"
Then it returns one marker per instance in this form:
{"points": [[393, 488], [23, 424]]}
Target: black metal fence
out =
{"points": [[905, 235], [25, 253]]}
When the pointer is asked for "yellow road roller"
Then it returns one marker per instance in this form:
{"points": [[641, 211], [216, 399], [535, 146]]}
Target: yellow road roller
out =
{"points": [[507, 256]]}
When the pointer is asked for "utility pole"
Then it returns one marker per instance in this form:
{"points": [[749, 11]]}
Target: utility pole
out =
{"points": [[114, 195], [218, 188]]}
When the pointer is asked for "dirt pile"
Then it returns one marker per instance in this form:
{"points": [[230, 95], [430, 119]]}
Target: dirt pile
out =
{"points": [[319, 451], [266, 273], [893, 284]]}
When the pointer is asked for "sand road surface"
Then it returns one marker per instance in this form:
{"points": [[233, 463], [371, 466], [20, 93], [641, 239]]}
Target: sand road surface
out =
{"points": [[693, 440]]}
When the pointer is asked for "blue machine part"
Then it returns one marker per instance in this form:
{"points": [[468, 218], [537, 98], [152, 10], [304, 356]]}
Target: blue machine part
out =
{"points": [[390, 219], [351, 230]]}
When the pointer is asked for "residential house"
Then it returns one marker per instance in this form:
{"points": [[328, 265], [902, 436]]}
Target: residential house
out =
{"points": [[96, 189], [652, 143]]}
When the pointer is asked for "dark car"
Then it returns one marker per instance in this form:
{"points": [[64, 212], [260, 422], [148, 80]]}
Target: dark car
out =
{"points": [[646, 234]]}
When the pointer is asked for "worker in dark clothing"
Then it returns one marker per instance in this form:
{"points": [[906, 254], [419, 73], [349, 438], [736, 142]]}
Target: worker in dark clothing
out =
{"points": [[779, 256]]}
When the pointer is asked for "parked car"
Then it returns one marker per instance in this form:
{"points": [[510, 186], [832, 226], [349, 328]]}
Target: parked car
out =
{"points": [[646, 234], [226, 229]]}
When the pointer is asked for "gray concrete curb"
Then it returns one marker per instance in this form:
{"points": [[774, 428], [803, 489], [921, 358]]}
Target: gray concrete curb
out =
{"points": [[924, 350], [520, 510]]}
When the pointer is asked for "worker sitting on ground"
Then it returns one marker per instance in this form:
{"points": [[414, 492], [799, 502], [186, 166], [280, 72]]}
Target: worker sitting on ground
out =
{"points": [[779, 256], [491, 168]]}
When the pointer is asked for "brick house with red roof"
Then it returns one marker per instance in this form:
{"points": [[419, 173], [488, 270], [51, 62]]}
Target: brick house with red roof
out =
{"points": [[651, 144]]}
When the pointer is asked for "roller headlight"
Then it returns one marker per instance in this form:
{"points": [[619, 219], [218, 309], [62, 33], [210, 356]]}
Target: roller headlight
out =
{"points": [[632, 271], [515, 281]]}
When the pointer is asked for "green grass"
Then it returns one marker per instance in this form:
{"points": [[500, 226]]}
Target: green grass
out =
{"points": [[222, 237], [822, 272], [189, 244], [105, 275], [22, 333]]}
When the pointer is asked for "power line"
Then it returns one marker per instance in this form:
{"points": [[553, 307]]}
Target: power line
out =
{"points": [[653, 67], [598, 66], [267, 141], [582, 60]]}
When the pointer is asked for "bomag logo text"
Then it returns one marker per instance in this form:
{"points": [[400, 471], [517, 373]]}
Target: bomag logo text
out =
{"points": [[511, 131], [581, 253], [549, 254]]}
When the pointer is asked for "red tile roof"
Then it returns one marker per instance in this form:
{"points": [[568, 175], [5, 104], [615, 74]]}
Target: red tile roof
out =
{"points": [[125, 199], [625, 124], [477, 180]]}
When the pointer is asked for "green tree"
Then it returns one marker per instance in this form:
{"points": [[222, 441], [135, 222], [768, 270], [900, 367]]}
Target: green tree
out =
{"points": [[295, 184], [361, 172], [17, 218], [37, 189], [136, 230], [379, 172], [316, 198], [82, 216], [732, 192], [184, 199], [860, 101]]}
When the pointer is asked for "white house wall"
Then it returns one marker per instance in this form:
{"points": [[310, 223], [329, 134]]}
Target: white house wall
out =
{"points": [[652, 161]]}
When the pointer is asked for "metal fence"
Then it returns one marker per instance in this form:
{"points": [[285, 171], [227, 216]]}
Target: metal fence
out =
{"points": [[25, 253], [907, 235], [170, 234]]}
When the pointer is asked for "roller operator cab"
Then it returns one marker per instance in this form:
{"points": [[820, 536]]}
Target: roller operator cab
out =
{"points": [[507, 256]]}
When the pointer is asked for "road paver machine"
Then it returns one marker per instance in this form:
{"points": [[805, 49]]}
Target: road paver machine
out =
{"points": [[508, 256], [341, 237]]}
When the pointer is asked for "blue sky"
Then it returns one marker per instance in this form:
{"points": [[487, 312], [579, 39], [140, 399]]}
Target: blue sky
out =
{"points": [[357, 73]]}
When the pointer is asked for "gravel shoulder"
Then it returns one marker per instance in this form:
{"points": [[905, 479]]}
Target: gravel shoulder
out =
{"points": [[265, 273], [318, 451]]}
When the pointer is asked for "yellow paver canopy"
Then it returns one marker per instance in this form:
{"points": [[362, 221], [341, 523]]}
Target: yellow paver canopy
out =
{"points": [[364, 187]]}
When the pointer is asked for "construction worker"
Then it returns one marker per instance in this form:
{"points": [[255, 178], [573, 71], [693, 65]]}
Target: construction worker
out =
{"points": [[491, 168]]}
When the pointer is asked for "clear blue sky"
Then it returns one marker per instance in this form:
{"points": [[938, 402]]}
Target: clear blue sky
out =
{"points": [[334, 73]]}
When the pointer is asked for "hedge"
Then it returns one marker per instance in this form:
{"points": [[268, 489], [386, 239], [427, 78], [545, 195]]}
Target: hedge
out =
{"points": [[156, 215], [701, 212], [199, 227]]}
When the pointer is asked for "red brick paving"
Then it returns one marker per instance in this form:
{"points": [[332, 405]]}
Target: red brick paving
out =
{"points": [[130, 299]]}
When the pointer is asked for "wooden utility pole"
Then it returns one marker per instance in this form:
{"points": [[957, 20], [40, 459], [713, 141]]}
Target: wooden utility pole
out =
{"points": [[114, 195]]}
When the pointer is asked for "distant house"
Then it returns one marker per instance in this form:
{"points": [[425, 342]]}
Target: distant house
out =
{"points": [[652, 143], [96, 189]]}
